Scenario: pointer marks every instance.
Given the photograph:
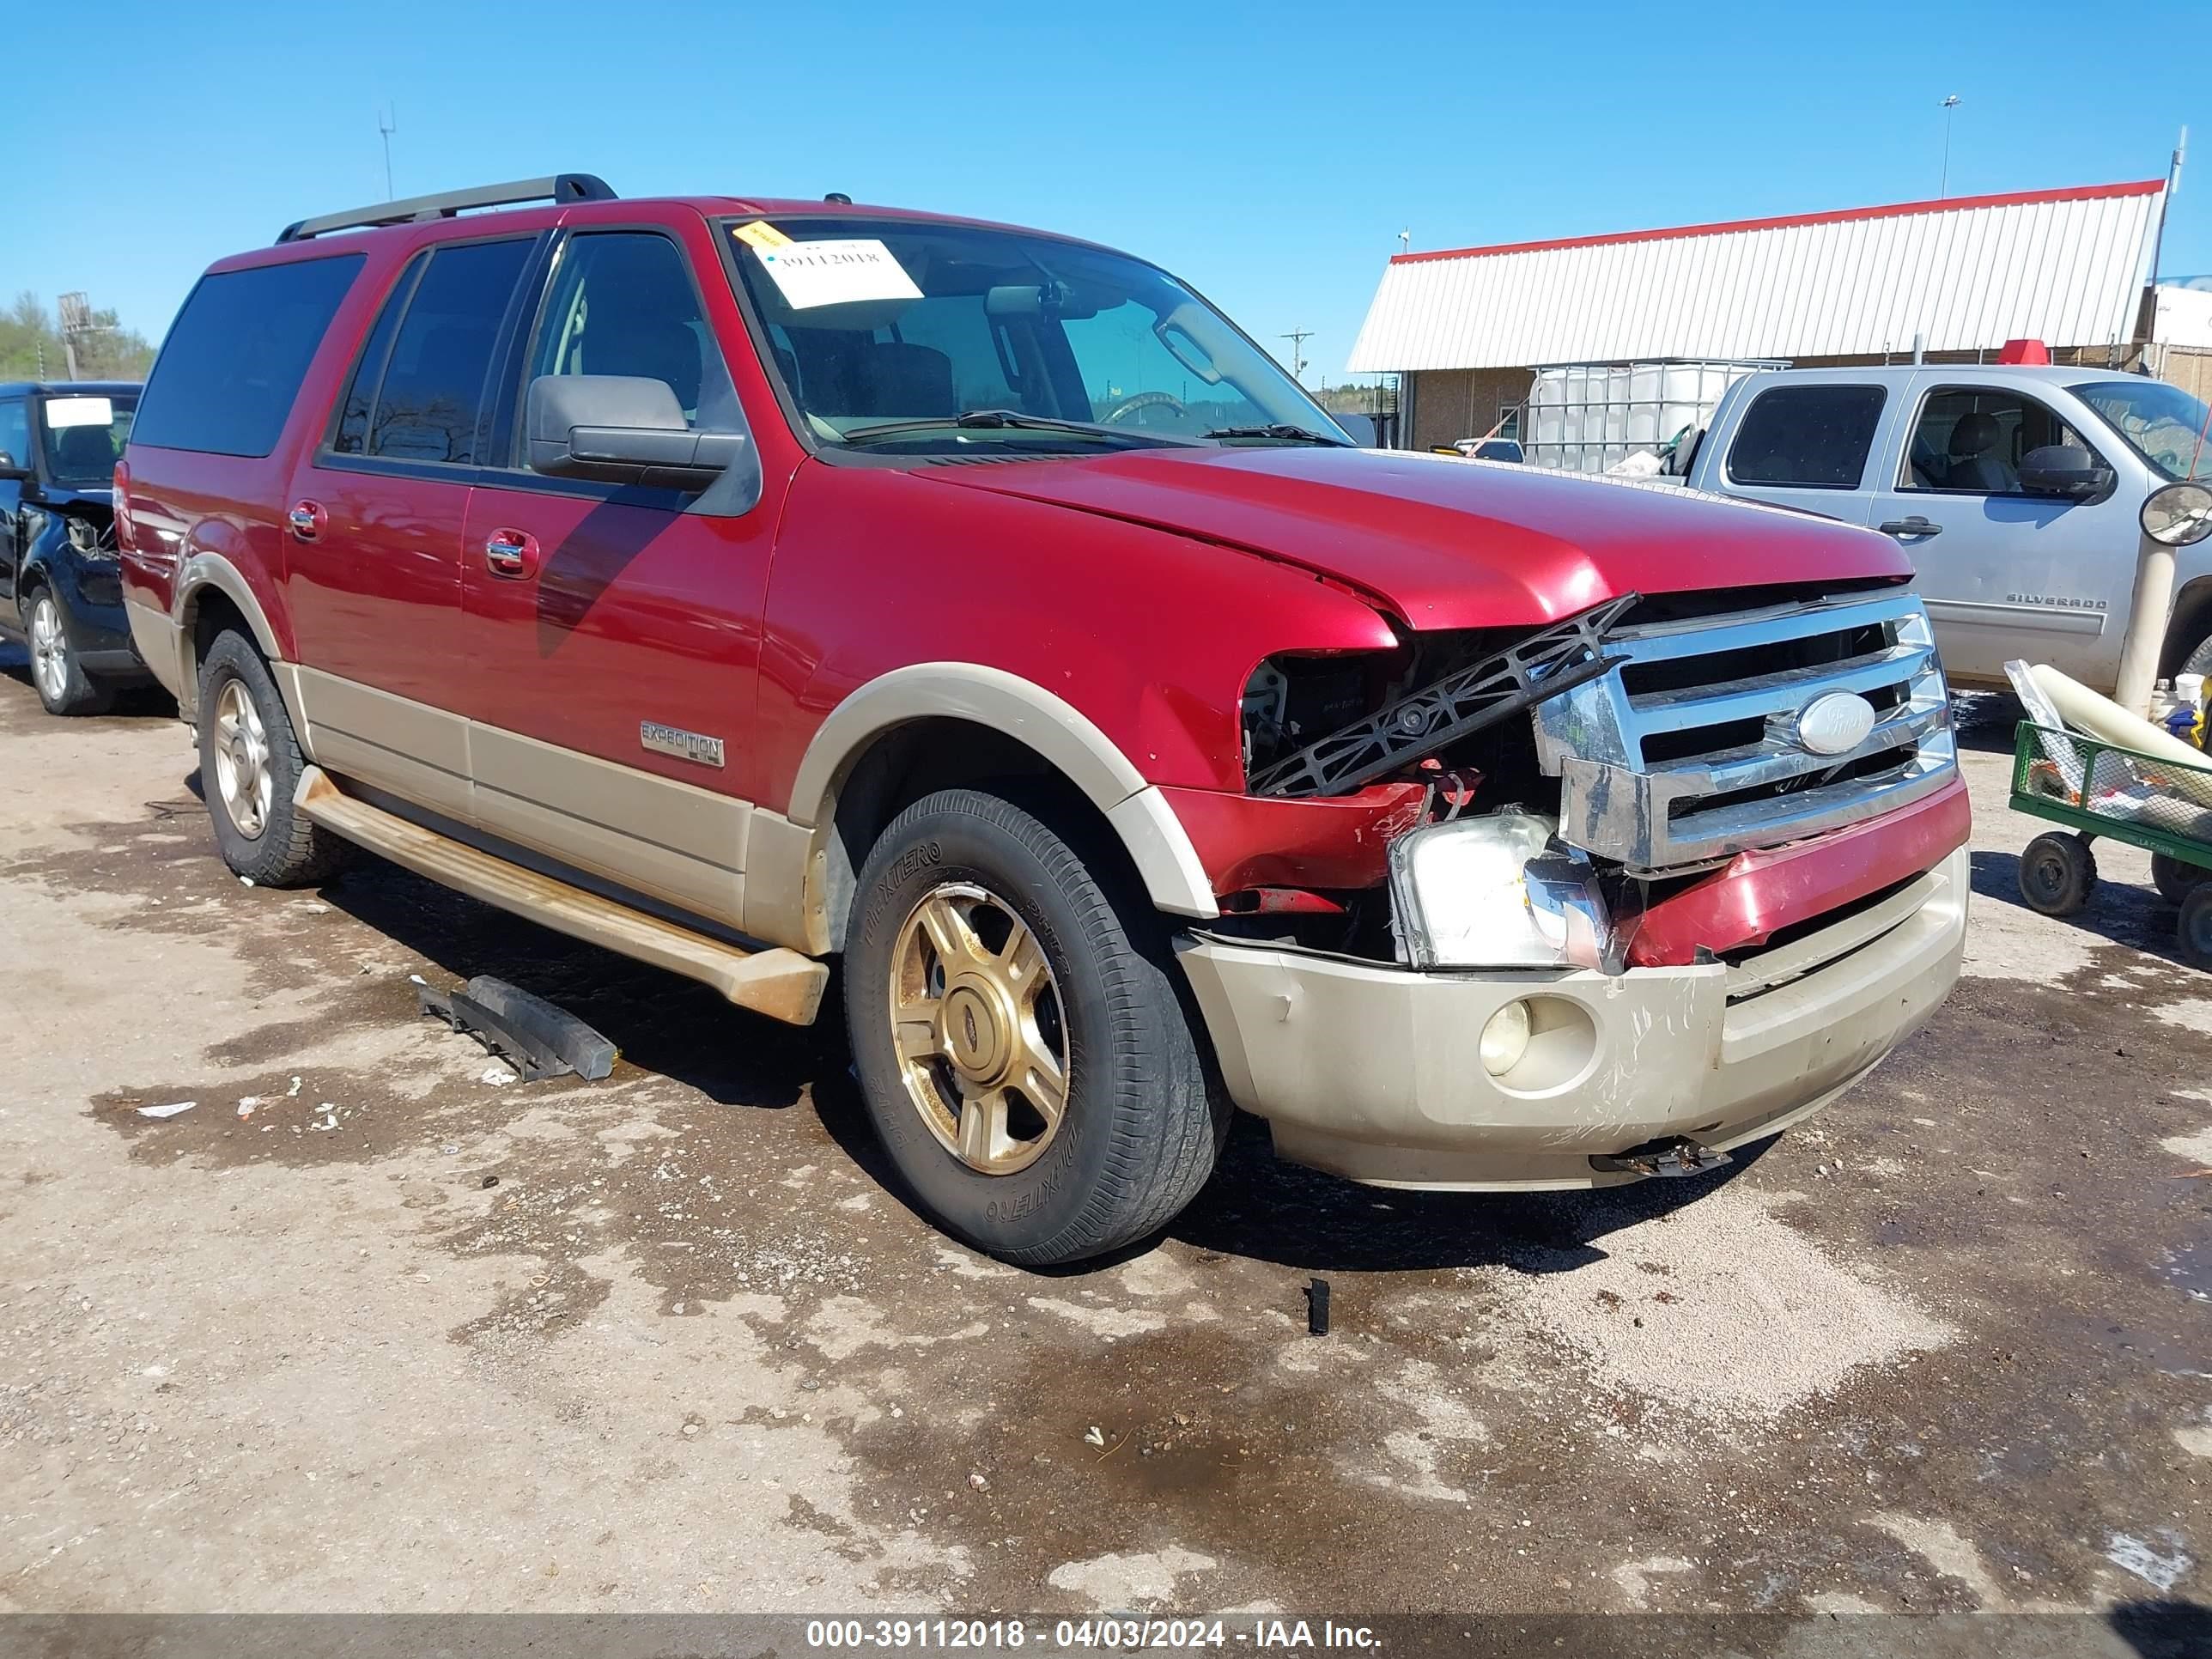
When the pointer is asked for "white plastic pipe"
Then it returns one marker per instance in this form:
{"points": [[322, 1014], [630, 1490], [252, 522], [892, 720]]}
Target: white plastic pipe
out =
{"points": [[2147, 620]]}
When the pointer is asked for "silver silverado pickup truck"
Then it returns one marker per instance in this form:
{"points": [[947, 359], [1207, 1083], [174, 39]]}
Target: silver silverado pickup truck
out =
{"points": [[2023, 496]]}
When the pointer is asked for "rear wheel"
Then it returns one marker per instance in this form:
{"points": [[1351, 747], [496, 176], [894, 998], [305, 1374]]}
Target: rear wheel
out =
{"points": [[2057, 872], [2175, 879], [249, 765], [1025, 1055], [63, 687], [2193, 936]]}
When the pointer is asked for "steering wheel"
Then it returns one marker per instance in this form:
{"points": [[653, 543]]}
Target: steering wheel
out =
{"points": [[1143, 400]]}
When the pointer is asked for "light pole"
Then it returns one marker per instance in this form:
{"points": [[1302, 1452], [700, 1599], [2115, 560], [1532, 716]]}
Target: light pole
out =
{"points": [[1950, 105], [1405, 241]]}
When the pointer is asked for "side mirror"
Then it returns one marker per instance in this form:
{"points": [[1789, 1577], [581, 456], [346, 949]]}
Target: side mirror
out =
{"points": [[12, 468], [2066, 469], [1360, 428], [621, 428]]}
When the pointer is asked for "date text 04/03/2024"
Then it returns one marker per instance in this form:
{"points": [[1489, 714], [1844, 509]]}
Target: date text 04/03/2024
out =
{"points": [[1109, 1634]]}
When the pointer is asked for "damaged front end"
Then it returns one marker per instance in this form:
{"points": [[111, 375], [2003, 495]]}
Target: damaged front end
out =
{"points": [[1663, 875]]}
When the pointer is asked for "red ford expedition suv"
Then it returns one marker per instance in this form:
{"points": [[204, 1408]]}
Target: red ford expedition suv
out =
{"points": [[745, 584]]}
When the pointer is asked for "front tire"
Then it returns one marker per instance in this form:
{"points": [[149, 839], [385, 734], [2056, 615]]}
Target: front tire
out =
{"points": [[250, 767], [63, 685], [1022, 1051]]}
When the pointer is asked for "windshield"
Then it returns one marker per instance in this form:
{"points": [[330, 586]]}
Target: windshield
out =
{"points": [[83, 436], [886, 331], [2164, 424]]}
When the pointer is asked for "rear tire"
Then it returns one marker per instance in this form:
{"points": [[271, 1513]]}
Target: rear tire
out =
{"points": [[250, 767], [2057, 872], [1020, 1042], [63, 685], [2175, 879], [2193, 935]]}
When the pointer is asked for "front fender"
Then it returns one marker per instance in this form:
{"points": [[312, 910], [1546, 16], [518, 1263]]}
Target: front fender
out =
{"points": [[1062, 735]]}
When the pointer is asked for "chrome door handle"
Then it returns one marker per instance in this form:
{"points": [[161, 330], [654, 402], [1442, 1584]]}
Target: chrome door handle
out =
{"points": [[304, 521], [510, 553], [1915, 525]]}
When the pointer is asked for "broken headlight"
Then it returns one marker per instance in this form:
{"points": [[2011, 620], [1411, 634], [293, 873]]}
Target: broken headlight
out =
{"points": [[1496, 893]]}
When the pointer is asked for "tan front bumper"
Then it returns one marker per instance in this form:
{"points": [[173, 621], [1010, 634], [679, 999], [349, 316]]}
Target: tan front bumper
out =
{"points": [[1374, 1071]]}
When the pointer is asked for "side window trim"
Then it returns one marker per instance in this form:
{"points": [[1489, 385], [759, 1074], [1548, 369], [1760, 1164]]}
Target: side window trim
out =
{"points": [[1905, 485]]}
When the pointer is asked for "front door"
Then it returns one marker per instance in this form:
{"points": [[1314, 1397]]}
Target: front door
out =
{"points": [[2007, 574], [616, 629], [376, 514], [14, 450]]}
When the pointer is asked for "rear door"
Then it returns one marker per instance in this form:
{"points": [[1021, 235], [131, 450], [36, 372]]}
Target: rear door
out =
{"points": [[15, 450], [378, 510], [1807, 444], [616, 629], [2006, 573]]}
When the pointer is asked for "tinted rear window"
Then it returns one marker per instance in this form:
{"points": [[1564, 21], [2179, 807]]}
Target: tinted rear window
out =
{"points": [[235, 356], [1812, 437], [429, 403]]}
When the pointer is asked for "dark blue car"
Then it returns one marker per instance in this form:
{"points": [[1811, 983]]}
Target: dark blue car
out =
{"points": [[59, 591]]}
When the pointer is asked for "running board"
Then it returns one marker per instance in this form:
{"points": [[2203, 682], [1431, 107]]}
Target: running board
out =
{"points": [[780, 983]]}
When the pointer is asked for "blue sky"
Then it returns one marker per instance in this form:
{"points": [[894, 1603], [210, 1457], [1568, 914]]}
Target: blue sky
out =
{"points": [[1269, 154]]}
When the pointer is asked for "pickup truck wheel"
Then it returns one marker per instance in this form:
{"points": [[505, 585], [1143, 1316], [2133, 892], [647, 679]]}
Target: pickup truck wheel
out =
{"points": [[63, 687], [1025, 1055], [2057, 872], [249, 765]]}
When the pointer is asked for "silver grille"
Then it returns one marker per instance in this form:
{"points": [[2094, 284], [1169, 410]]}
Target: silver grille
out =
{"points": [[1680, 756]]}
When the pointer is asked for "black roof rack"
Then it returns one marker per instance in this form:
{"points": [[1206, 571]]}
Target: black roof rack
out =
{"points": [[556, 187]]}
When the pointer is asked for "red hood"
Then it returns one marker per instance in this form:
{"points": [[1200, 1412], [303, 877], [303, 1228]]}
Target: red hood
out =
{"points": [[1449, 544]]}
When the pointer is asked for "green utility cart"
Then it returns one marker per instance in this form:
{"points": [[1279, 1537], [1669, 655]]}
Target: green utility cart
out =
{"points": [[2099, 789]]}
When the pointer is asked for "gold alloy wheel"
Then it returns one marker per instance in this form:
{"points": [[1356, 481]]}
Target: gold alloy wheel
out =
{"points": [[978, 1025]]}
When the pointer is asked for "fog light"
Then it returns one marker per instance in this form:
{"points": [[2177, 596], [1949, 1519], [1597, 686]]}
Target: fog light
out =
{"points": [[1505, 1039]]}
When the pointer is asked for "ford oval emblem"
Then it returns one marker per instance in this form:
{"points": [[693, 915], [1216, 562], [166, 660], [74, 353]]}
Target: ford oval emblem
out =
{"points": [[1834, 723]]}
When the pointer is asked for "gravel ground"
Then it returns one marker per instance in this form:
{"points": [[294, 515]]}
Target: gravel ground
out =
{"points": [[367, 1329]]}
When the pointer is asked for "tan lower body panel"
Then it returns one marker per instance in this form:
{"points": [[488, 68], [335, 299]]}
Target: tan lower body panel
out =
{"points": [[418, 753], [782, 984], [674, 841]]}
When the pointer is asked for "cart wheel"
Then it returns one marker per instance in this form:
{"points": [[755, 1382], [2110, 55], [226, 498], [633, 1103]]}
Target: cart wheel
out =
{"points": [[2175, 880], [2056, 874], [2194, 935]]}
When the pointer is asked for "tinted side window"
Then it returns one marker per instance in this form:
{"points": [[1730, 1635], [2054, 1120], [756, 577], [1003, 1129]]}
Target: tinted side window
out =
{"points": [[1813, 437], [433, 393], [352, 437], [1973, 440], [16, 432], [622, 303], [235, 356]]}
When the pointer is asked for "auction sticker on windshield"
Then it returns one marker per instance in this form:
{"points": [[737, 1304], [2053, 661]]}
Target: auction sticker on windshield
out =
{"points": [[810, 274]]}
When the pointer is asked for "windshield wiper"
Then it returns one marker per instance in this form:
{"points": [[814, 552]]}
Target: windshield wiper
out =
{"points": [[990, 419], [1280, 429]]}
